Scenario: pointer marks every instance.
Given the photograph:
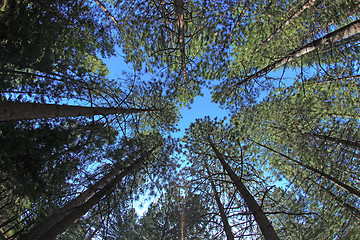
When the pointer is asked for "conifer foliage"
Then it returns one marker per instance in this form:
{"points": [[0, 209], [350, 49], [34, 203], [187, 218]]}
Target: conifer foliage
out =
{"points": [[81, 150]]}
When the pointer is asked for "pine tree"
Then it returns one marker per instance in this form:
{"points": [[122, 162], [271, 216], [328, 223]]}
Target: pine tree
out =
{"points": [[208, 132], [76, 208], [19, 111]]}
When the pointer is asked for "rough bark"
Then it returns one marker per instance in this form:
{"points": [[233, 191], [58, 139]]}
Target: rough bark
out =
{"points": [[10, 111], [338, 183], [75, 209], [259, 215], [224, 219], [337, 35], [179, 16]]}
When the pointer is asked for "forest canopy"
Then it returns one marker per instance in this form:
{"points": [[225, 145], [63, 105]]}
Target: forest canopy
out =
{"points": [[81, 149]]}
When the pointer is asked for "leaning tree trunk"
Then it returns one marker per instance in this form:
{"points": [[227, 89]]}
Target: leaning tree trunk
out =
{"points": [[75, 209], [10, 111], [335, 140], [259, 215], [340, 184], [224, 219], [102, 6], [296, 14], [353, 211], [337, 35]]}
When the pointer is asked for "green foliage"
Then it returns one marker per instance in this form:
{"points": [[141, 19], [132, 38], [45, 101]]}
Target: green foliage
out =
{"points": [[293, 137], [49, 50], [313, 124], [176, 212], [38, 160]]}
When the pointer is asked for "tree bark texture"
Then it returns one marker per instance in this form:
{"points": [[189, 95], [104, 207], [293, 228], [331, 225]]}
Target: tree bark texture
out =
{"points": [[259, 215], [179, 16], [12, 111], [337, 35], [224, 219]]}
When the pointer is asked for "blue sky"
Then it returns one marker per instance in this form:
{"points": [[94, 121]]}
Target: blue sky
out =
{"points": [[201, 107]]}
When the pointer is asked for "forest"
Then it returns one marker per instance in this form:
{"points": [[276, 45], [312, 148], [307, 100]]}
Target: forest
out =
{"points": [[81, 150]]}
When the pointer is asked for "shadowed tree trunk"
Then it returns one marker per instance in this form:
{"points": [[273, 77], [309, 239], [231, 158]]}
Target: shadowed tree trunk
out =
{"points": [[179, 17], [296, 14], [10, 111], [338, 183], [224, 219], [354, 211], [75, 209], [259, 215], [102, 6], [339, 141]]}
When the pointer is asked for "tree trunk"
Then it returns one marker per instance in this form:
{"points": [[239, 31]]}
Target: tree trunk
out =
{"points": [[75, 209], [339, 141], [338, 183], [179, 16], [259, 215], [337, 35], [102, 6], [10, 111], [224, 219], [354, 211], [305, 6], [237, 23]]}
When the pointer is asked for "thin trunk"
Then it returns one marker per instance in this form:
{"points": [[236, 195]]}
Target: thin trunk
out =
{"points": [[48, 75], [339, 141], [66, 216], [10, 111], [237, 23], [113, 19], [338, 183], [165, 17], [305, 6], [338, 79], [179, 16], [354, 211], [223, 216], [261, 219], [102, 6], [55, 12], [337, 35], [3, 224], [350, 153], [182, 217]]}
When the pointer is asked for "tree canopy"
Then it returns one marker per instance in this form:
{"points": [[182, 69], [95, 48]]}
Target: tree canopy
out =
{"points": [[82, 147]]}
